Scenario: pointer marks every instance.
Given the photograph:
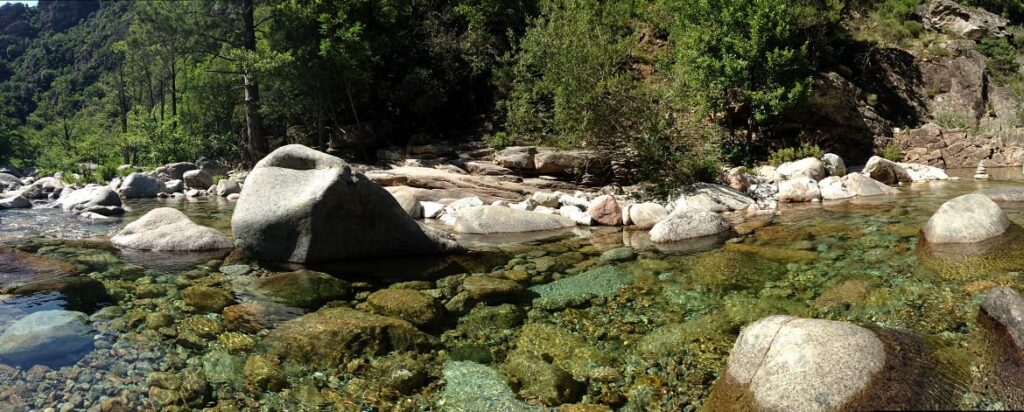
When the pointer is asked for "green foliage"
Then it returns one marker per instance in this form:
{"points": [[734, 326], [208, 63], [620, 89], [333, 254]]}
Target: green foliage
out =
{"points": [[894, 21], [950, 120], [566, 82], [746, 62], [790, 154], [1002, 58], [106, 172], [500, 140], [891, 152]]}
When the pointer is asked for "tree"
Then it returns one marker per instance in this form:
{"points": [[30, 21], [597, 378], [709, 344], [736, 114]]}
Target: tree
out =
{"points": [[745, 62]]}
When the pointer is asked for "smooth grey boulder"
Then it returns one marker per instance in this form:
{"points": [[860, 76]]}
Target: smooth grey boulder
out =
{"points": [[966, 219], [15, 202], [646, 215], [300, 205], [716, 198], [138, 185], [88, 197], [197, 179], [796, 364], [43, 188], [886, 171], [1006, 306], [227, 187], [799, 189], [859, 185], [168, 229], [9, 178], [500, 219], [49, 337], [688, 223], [519, 158], [834, 165], [833, 188], [174, 186], [177, 170], [807, 167]]}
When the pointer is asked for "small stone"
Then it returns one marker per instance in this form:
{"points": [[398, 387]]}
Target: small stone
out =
{"points": [[263, 374], [249, 317], [618, 254], [207, 299], [413, 306], [235, 270], [606, 211]]}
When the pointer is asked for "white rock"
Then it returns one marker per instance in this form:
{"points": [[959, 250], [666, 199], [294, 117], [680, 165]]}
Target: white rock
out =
{"points": [[801, 189]]}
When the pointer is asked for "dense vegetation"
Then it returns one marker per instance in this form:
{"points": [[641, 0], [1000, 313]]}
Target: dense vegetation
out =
{"points": [[680, 84]]}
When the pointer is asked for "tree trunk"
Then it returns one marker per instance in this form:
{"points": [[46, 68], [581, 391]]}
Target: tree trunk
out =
{"points": [[258, 145], [122, 99]]}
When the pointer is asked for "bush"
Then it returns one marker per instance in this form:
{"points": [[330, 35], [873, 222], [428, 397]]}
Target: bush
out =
{"points": [[105, 172], [1002, 58], [891, 152], [790, 154], [499, 140]]}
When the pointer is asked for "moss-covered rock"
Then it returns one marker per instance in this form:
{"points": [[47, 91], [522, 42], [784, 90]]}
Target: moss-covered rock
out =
{"points": [[410, 305], [207, 299], [303, 288]]}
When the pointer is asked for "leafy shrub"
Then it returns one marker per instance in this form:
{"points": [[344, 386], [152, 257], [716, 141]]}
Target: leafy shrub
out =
{"points": [[500, 140], [950, 120], [1002, 58], [891, 152], [790, 154], [105, 172]]}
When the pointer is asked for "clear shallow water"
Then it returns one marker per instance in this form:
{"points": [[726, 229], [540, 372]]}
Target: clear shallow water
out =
{"points": [[658, 341]]}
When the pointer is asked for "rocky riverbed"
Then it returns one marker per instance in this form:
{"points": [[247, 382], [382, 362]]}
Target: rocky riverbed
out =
{"points": [[604, 311]]}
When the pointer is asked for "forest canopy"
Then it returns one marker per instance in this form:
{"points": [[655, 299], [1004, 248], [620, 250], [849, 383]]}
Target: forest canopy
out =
{"points": [[680, 84]]}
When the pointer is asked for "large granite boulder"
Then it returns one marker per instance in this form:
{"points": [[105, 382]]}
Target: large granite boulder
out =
{"points": [[91, 197], [177, 170], [15, 202], [300, 205], [783, 363], [168, 229], [518, 158], [569, 162], [197, 179], [966, 219], [646, 215], [807, 167], [138, 185], [800, 189], [49, 337], [227, 187], [859, 185], [834, 165], [499, 219], [886, 171], [687, 223]]}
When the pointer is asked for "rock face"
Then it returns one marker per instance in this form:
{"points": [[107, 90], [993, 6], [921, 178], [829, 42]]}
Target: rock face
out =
{"points": [[687, 223], [807, 167], [966, 219], [518, 158], [801, 189], [300, 205], [50, 337], [886, 171], [1006, 306], [498, 219], [569, 163], [795, 364], [330, 337], [197, 179], [138, 185], [170, 230], [963, 21], [950, 148]]}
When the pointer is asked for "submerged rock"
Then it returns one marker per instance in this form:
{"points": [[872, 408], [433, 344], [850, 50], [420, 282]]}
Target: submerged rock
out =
{"points": [[303, 288], [576, 290], [498, 219], [543, 381], [330, 337], [169, 229], [470, 386], [687, 223], [300, 205], [407, 304], [966, 219], [49, 337]]}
